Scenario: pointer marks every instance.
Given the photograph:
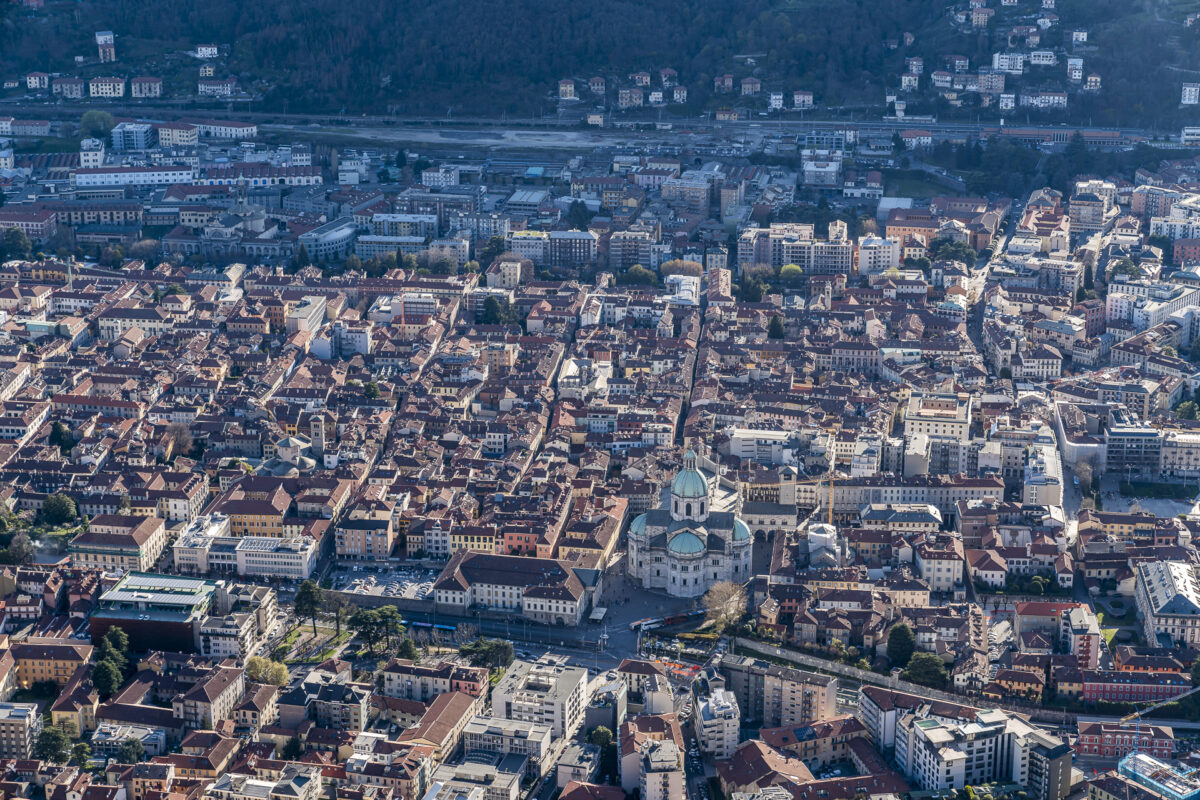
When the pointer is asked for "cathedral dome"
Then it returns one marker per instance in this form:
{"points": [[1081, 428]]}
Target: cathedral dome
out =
{"points": [[686, 543], [638, 526], [689, 483], [740, 530]]}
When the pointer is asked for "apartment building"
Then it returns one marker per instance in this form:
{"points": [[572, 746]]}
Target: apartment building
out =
{"points": [[119, 543], [20, 725], [1167, 594], [543, 692], [938, 414], [775, 696], [939, 755], [718, 721], [499, 735], [650, 750], [411, 681], [106, 87], [795, 243]]}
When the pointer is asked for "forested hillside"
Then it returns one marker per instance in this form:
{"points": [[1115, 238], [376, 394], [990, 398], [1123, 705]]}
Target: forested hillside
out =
{"points": [[485, 57], [427, 54]]}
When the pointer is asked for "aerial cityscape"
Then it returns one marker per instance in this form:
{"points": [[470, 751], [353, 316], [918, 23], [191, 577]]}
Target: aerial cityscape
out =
{"points": [[449, 401]]}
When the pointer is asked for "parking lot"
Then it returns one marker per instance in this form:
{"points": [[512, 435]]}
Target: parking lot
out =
{"points": [[410, 583]]}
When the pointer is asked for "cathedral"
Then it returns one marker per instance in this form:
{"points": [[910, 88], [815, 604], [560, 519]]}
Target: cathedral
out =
{"points": [[687, 547]]}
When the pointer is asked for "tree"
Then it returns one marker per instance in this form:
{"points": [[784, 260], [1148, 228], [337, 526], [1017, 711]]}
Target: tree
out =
{"points": [[492, 653], [401, 158], [15, 244], [1196, 672], [119, 640], [724, 604], [263, 670], [301, 259], [371, 390], [368, 624], [1124, 266], [775, 328], [181, 437], [308, 602], [750, 291], [106, 677], [927, 670], [791, 274], [491, 251], [1186, 410], [1089, 282], [578, 215], [901, 644], [600, 736], [407, 648], [59, 508], [498, 311], [292, 749], [390, 622], [81, 753], [131, 751], [1085, 472], [946, 250], [339, 608], [60, 434], [637, 275], [96, 124], [20, 549], [680, 266], [53, 745]]}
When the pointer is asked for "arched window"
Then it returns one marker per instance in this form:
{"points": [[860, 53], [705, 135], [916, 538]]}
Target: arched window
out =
{"points": [[702, 507], [688, 510]]}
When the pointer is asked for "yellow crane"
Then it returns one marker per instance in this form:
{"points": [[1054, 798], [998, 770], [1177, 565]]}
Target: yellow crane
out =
{"points": [[1138, 714]]}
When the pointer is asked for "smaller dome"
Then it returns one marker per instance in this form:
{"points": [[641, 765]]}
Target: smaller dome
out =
{"points": [[291, 441], [686, 543], [689, 483], [638, 526], [741, 531]]}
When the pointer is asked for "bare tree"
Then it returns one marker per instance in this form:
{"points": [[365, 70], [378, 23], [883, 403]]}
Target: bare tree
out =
{"points": [[181, 436], [465, 632], [725, 604], [1085, 472]]}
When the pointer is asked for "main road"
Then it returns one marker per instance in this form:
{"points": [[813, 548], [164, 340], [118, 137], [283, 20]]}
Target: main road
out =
{"points": [[558, 131]]}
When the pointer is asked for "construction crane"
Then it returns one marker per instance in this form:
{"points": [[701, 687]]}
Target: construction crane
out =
{"points": [[1138, 714]]}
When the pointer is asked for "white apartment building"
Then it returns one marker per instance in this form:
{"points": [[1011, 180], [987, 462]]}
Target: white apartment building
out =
{"points": [[103, 177], [937, 755], [533, 245], [939, 414], [543, 692], [719, 721], [206, 545], [106, 87], [500, 735], [1168, 601], [876, 254], [661, 776]]}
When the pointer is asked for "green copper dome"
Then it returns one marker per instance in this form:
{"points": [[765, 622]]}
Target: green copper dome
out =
{"points": [[689, 483], [686, 544], [740, 531]]}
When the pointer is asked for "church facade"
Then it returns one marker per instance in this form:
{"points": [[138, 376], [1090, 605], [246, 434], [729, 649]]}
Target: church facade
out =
{"points": [[687, 547]]}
